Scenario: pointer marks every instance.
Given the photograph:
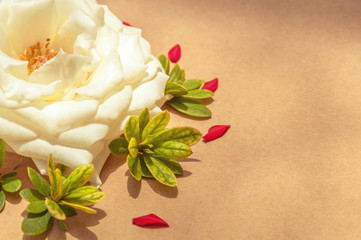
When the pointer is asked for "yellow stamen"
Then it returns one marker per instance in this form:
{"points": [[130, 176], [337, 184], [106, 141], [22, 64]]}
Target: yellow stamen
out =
{"points": [[37, 56]]}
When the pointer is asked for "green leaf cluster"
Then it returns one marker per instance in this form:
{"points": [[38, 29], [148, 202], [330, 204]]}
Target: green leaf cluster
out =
{"points": [[153, 149], [59, 199], [186, 93], [8, 182]]}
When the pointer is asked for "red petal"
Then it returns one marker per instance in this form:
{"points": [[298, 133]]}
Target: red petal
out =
{"points": [[127, 24], [211, 85], [175, 53], [215, 132], [150, 220]]}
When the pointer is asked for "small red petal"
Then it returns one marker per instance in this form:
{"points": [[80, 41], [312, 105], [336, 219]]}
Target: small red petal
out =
{"points": [[175, 53], [215, 132], [211, 85], [127, 24], [150, 220]]}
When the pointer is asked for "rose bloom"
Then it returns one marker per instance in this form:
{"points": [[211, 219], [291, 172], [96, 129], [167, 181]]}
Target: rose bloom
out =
{"points": [[71, 74]]}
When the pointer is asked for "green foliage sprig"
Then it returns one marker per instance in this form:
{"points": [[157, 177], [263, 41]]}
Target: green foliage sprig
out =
{"points": [[8, 182], [152, 148], [59, 199], [185, 92]]}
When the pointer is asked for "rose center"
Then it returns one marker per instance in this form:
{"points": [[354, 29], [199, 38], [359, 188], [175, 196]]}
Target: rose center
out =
{"points": [[37, 55]]}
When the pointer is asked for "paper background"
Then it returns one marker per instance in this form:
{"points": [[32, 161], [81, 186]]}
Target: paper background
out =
{"points": [[289, 167]]}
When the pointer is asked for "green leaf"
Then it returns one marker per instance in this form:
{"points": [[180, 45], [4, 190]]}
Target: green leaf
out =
{"points": [[119, 146], [69, 211], [190, 107], [2, 200], [41, 185], [34, 224], [160, 171], [11, 184], [133, 147], [172, 165], [36, 207], [175, 74], [172, 150], [143, 119], [2, 152], [54, 209], [192, 84], [186, 135], [145, 170], [62, 225], [157, 124], [165, 63], [134, 167], [11, 174], [181, 76], [198, 94], [55, 178], [175, 89], [87, 199], [82, 191], [78, 177], [132, 128], [80, 207], [31, 195]]}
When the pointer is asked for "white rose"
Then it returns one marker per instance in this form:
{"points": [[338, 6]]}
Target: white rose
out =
{"points": [[74, 104]]}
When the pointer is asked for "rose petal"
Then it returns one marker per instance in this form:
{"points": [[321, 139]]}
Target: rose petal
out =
{"points": [[175, 53], [211, 85], [215, 132], [127, 24], [150, 220]]}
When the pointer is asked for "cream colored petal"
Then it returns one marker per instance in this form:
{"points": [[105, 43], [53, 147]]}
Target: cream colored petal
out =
{"points": [[15, 67], [84, 136], [98, 162], [17, 93], [30, 22], [58, 117], [107, 41], [112, 108], [5, 45], [66, 8], [106, 79]]}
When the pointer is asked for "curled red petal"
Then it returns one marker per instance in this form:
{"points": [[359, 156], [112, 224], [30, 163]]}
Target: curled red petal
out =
{"points": [[215, 132], [211, 85], [127, 24], [174, 53], [150, 220]]}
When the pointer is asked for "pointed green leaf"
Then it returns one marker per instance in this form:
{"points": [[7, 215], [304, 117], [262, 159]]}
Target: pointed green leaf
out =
{"points": [[175, 89], [34, 224], [186, 135], [143, 119], [119, 146], [189, 107], [171, 164], [134, 167], [157, 124], [69, 211], [80, 207], [63, 170], [87, 199], [36, 207], [198, 94], [145, 170], [54, 209], [181, 76], [62, 226], [2, 152], [31, 195], [160, 171], [11, 174], [132, 128], [2, 199], [55, 178], [133, 147], [82, 191], [59, 181], [175, 74], [172, 150], [78, 177], [11, 184], [165, 63], [39, 183], [192, 84]]}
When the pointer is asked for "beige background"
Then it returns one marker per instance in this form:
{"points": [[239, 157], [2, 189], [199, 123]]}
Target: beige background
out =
{"points": [[289, 167]]}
